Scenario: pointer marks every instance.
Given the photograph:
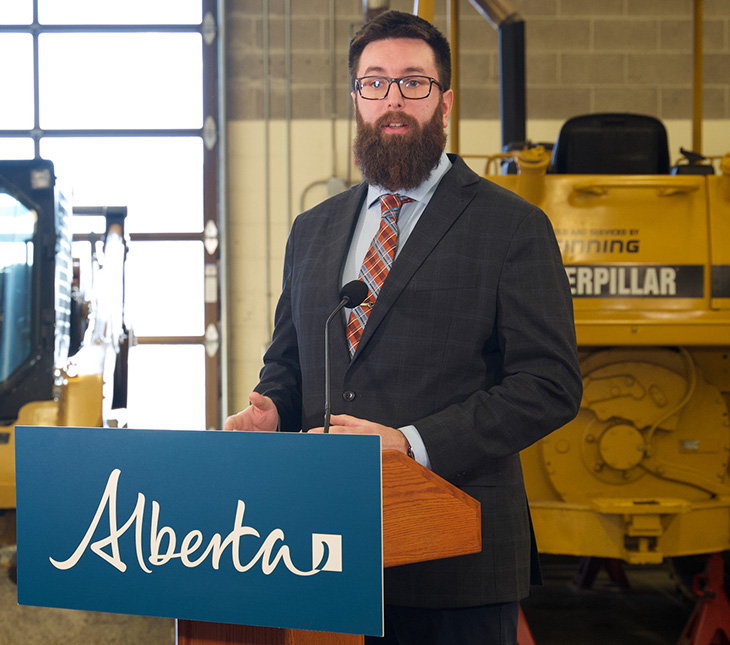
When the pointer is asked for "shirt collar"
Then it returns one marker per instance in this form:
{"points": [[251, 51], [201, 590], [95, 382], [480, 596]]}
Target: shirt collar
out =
{"points": [[420, 193]]}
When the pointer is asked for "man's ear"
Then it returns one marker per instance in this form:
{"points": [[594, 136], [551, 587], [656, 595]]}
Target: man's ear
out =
{"points": [[447, 102]]}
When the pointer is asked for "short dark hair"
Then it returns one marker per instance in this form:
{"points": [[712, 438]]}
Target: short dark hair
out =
{"points": [[398, 24]]}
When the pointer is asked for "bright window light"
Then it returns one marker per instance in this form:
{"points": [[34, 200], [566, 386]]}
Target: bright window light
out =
{"points": [[16, 148], [159, 179], [121, 81], [16, 104], [16, 12], [170, 379], [133, 12], [164, 294]]}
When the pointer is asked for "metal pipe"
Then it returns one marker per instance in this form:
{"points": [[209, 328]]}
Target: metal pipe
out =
{"points": [[697, 78], [288, 109], [512, 102], [267, 165], [333, 87], [372, 8], [495, 11], [452, 18], [424, 9], [223, 214]]}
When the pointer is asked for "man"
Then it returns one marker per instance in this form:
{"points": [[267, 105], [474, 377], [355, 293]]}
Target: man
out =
{"points": [[462, 357]]}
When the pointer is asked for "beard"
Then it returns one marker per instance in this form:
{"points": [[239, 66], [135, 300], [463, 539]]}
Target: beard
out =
{"points": [[399, 161]]}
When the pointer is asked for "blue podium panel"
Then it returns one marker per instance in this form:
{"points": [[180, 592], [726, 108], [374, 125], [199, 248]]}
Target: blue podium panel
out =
{"points": [[269, 529]]}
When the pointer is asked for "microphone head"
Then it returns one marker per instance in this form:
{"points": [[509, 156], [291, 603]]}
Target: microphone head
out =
{"points": [[355, 292]]}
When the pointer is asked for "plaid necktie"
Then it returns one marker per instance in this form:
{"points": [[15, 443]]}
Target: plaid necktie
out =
{"points": [[376, 266]]}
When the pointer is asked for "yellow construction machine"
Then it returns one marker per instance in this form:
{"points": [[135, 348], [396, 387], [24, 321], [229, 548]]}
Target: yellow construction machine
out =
{"points": [[63, 340]]}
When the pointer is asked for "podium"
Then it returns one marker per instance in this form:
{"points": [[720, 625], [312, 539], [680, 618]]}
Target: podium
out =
{"points": [[424, 518]]}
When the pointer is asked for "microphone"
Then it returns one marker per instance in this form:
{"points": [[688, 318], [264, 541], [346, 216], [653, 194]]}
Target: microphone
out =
{"points": [[351, 295]]}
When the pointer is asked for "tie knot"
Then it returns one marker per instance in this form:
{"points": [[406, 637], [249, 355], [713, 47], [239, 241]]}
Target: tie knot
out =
{"points": [[391, 204]]}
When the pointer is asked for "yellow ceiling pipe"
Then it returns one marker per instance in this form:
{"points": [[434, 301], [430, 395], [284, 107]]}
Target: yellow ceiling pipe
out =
{"points": [[425, 9], [697, 78], [452, 19]]}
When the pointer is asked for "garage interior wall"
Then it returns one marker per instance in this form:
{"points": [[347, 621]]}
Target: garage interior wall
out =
{"points": [[290, 125]]}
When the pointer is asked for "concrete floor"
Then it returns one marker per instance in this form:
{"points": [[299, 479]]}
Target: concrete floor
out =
{"points": [[650, 612], [45, 626]]}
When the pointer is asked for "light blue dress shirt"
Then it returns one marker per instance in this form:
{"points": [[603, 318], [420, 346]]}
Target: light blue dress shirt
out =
{"points": [[366, 228]]}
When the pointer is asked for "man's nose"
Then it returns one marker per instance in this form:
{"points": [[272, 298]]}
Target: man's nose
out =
{"points": [[394, 97]]}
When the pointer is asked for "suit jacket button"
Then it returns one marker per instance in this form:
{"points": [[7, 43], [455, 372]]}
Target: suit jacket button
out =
{"points": [[349, 395]]}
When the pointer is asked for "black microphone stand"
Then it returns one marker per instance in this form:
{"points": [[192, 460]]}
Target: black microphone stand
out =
{"points": [[352, 294]]}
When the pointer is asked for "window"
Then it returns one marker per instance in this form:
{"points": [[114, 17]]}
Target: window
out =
{"points": [[112, 94], [16, 263]]}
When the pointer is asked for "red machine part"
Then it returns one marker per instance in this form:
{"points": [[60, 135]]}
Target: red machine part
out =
{"points": [[710, 620]]}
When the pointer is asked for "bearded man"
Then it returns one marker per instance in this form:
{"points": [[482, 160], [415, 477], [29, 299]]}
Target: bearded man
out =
{"points": [[462, 354]]}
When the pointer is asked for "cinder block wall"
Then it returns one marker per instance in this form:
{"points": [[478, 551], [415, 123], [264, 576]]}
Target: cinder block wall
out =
{"points": [[582, 56], [289, 126]]}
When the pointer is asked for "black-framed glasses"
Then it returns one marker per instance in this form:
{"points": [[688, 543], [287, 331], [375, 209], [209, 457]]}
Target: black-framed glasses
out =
{"points": [[376, 88]]}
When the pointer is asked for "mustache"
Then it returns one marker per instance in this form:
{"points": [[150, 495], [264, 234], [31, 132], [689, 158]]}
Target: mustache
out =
{"points": [[396, 117]]}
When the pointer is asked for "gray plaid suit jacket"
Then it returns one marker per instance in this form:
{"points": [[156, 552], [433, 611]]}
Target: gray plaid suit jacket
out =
{"points": [[472, 340]]}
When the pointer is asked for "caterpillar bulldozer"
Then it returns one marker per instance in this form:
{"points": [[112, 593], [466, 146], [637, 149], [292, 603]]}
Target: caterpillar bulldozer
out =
{"points": [[63, 342]]}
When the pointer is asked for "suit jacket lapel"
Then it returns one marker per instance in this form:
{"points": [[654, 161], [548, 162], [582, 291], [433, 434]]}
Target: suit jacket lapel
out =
{"points": [[447, 204], [341, 223], [343, 214]]}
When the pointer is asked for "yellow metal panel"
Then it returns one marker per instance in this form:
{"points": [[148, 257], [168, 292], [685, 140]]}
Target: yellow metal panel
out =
{"points": [[641, 253], [705, 529], [7, 467], [80, 405], [570, 529], [37, 413], [424, 9], [718, 191], [81, 401], [580, 530]]}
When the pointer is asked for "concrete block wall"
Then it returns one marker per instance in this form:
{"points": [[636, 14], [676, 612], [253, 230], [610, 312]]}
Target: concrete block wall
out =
{"points": [[582, 56]]}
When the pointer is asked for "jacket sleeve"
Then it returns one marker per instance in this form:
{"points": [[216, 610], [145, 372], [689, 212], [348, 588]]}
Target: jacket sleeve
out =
{"points": [[540, 387], [281, 376]]}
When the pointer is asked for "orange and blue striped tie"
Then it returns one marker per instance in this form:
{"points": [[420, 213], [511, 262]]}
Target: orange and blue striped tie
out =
{"points": [[376, 266]]}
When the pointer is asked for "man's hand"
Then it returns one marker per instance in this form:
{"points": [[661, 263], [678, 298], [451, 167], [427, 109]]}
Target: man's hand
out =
{"points": [[391, 438], [260, 416]]}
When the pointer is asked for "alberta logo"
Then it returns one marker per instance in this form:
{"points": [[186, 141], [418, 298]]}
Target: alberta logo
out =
{"points": [[271, 552]]}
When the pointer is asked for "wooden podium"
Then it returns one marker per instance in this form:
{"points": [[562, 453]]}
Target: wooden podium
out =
{"points": [[424, 518]]}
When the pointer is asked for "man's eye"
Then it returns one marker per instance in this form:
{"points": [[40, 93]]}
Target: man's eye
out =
{"points": [[375, 83], [411, 82]]}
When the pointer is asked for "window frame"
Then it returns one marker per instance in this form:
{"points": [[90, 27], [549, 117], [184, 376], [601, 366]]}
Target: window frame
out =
{"points": [[211, 133]]}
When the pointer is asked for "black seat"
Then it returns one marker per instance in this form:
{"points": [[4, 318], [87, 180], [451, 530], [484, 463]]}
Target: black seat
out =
{"points": [[613, 144]]}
